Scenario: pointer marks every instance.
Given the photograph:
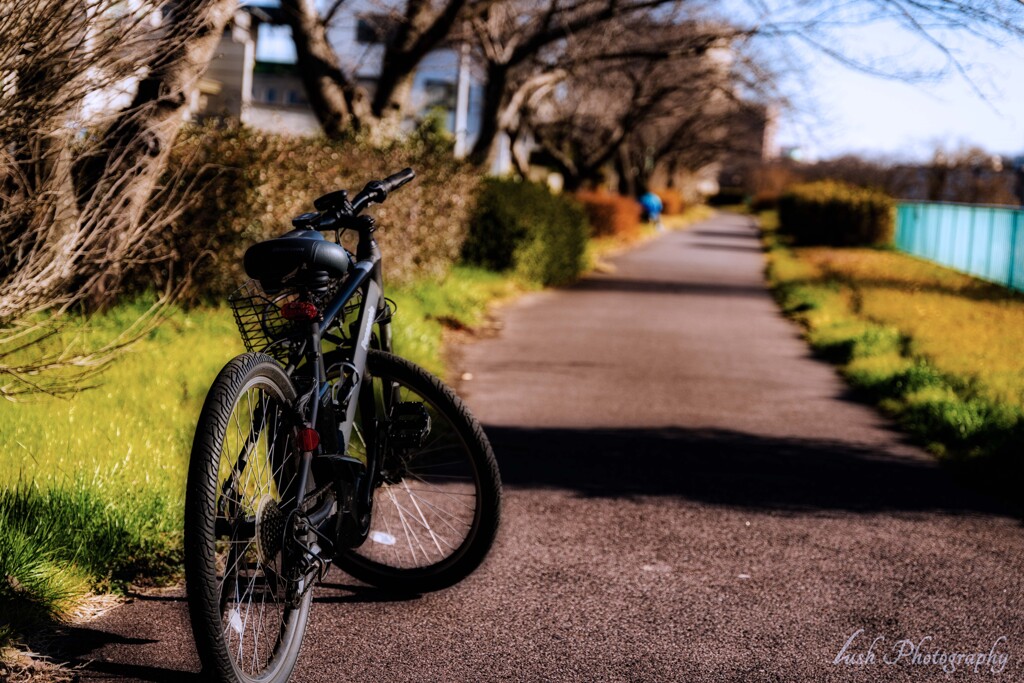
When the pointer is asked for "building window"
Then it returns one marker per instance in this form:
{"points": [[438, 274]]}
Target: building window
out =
{"points": [[438, 94], [372, 29], [295, 97], [271, 94]]}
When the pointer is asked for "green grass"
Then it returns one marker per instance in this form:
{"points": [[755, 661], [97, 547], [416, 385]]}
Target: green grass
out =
{"points": [[93, 484], [427, 308], [938, 350]]}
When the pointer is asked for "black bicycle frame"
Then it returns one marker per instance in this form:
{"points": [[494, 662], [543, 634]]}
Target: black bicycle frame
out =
{"points": [[366, 278]]}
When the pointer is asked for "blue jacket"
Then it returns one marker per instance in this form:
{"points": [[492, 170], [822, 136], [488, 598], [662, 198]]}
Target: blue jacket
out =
{"points": [[651, 203]]}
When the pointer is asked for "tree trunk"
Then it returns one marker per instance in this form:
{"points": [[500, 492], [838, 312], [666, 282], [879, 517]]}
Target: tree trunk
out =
{"points": [[120, 178], [339, 104], [520, 160], [135, 145], [624, 167], [390, 102], [495, 96]]}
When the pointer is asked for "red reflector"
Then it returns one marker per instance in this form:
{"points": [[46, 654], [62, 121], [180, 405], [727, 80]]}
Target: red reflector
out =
{"points": [[299, 310], [308, 439]]}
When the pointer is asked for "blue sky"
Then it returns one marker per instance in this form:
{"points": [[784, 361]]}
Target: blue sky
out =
{"points": [[843, 111], [840, 110]]}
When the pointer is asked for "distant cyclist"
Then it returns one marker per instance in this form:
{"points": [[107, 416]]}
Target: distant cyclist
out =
{"points": [[652, 208]]}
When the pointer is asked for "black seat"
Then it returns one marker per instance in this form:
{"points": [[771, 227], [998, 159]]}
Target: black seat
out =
{"points": [[297, 258]]}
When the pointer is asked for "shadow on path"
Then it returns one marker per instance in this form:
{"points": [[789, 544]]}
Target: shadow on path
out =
{"points": [[727, 246], [613, 284], [345, 593], [729, 468], [744, 232], [141, 672], [75, 647]]}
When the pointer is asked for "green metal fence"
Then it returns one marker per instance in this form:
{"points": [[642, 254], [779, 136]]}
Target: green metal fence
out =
{"points": [[985, 241]]}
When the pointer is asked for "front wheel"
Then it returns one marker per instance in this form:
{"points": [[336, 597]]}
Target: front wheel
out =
{"points": [[437, 503], [248, 611]]}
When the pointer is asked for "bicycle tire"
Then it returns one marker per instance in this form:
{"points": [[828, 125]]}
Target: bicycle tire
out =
{"points": [[440, 491], [231, 590]]}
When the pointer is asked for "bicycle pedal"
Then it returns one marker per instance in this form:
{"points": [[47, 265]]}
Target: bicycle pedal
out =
{"points": [[410, 424]]}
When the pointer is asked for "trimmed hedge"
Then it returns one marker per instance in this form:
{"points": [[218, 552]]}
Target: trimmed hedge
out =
{"points": [[611, 214], [523, 227], [836, 214], [247, 185]]}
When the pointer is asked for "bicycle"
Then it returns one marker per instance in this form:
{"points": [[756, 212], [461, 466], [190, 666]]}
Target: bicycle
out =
{"points": [[319, 446]]}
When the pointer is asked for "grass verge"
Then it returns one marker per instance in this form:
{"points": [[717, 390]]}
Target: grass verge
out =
{"points": [[936, 349], [93, 484]]}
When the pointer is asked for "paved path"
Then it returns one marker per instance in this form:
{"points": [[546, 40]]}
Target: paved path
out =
{"points": [[690, 497]]}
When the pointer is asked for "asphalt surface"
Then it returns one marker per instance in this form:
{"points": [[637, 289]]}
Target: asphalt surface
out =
{"points": [[689, 497]]}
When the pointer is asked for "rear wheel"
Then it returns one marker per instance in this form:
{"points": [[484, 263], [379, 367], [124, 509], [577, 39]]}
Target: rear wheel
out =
{"points": [[248, 618], [437, 504]]}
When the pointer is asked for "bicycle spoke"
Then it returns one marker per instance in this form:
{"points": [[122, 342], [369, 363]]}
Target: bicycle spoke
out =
{"points": [[441, 512], [449, 494], [409, 535], [426, 525]]}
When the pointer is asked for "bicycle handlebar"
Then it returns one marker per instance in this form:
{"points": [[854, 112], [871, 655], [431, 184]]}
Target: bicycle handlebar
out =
{"points": [[376, 191], [393, 182], [335, 212]]}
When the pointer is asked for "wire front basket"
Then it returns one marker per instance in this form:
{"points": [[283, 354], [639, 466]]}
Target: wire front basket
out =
{"points": [[259, 320], [264, 328]]}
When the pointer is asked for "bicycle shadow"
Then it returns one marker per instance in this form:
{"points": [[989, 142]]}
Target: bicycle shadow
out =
{"points": [[76, 649], [142, 672], [333, 591], [733, 469], [96, 654]]}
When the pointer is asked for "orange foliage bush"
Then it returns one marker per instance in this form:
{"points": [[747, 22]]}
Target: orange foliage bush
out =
{"points": [[672, 202], [610, 214]]}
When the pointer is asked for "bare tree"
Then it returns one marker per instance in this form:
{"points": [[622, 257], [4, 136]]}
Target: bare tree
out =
{"points": [[671, 99], [340, 103], [838, 30], [92, 95], [510, 35]]}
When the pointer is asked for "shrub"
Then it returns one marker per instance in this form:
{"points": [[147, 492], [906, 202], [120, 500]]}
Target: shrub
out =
{"points": [[611, 214], [672, 201], [522, 226], [249, 184], [764, 201], [836, 214], [728, 196]]}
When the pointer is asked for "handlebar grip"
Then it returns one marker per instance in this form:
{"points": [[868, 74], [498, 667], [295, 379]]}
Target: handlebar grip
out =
{"points": [[376, 191], [393, 182]]}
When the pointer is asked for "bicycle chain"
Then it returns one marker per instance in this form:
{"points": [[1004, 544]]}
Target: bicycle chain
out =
{"points": [[313, 498]]}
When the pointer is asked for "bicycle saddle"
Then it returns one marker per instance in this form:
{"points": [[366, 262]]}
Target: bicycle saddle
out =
{"points": [[297, 258]]}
